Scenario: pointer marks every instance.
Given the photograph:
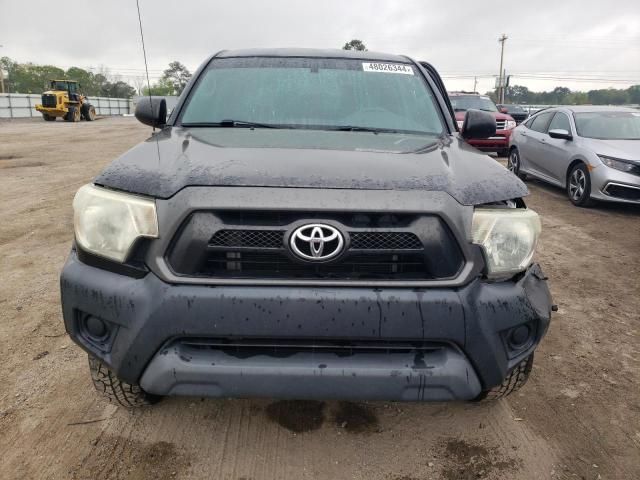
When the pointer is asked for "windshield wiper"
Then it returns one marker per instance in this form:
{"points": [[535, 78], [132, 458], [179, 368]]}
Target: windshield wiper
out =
{"points": [[231, 124], [356, 128]]}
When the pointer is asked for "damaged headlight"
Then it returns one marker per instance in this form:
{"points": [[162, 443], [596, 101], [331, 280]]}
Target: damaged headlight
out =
{"points": [[508, 238], [108, 223]]}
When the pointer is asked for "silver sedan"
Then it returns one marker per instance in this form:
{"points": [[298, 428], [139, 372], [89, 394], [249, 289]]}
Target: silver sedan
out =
{"points": [[592, 152]]}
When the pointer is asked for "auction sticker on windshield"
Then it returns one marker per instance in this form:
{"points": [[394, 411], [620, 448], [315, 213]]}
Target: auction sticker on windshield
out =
{"points": [[387, 68]]}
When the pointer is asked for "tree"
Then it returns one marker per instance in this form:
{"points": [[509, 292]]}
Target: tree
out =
{"points": [[118, 89], [609, 96], [162, 88], [355, 44], [517, 94], [634, 94], [177, 76]]}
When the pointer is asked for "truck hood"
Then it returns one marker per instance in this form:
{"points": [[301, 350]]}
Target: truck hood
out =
{"points": [[175, 158]]}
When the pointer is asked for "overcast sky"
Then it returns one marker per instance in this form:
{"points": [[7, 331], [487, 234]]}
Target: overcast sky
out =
{"points": [[591, 44]]}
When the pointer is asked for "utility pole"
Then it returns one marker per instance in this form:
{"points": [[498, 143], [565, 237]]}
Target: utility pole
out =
{"points": [[475, 83], [502, 39]]}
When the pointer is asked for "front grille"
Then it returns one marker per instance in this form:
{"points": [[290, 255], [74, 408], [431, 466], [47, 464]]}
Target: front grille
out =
{"points": [[248, 238], [501, 124], [254, 245], [385, 241], [277, 264], [623, 192], [49, 100], [277, 347], [275, 239], [519, 117]]}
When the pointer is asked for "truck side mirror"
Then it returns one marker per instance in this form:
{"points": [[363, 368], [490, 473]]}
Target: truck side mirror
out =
{"points": [[504, 110], [478, 124], [152, 111]]}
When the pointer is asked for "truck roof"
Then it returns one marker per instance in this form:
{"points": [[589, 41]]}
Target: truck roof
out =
{"points": [[311, 52]]}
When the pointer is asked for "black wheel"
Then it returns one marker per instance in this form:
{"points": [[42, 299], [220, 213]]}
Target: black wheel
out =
{"points": [[513, 163], [579, 186], [48, 118], [117, 391], [515, 379], [88, 112], [73, 115]]}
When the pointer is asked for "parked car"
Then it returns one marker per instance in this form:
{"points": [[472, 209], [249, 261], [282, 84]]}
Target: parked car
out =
{"points": [[498, 142], [592, 152], [306, 224], [518, 113]]}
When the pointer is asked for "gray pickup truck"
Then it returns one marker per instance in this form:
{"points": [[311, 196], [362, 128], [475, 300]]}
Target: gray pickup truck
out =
{"points": [[306, 224]]}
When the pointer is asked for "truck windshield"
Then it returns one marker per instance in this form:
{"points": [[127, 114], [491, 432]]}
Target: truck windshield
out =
{"points": [[462, 103], [313, 93], [608, 125], [58, 85]]}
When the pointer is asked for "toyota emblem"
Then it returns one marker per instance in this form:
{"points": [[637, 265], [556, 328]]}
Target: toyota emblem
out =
{"points": [[316, 242]]}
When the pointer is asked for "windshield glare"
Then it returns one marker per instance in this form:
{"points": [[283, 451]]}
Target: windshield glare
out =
{"points": [[314, 93], [466, 102], [608, 125]]}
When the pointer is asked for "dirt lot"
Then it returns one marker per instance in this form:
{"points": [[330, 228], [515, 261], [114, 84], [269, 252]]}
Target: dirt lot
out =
{"points": [[579, 416]]}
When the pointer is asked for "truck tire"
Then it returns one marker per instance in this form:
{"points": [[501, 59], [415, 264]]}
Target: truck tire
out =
{"points": [[88, 112], [73, 115], [117, 391], [515, 379], [48, 118]]}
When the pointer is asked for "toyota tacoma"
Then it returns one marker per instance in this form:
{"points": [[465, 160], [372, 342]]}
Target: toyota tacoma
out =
{"points": [[306, 224]]}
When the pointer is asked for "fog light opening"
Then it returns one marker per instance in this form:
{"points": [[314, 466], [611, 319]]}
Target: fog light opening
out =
{"points": [[96, 328], [519, 337]]}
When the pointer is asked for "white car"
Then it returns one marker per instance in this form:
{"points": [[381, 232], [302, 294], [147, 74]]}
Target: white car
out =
{"points": [[592, 152]]}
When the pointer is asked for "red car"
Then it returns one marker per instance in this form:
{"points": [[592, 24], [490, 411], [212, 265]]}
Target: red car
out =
{"points": [[499, 143]]}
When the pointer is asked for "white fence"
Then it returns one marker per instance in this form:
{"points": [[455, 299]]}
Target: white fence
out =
{"points": [[21, 105]]}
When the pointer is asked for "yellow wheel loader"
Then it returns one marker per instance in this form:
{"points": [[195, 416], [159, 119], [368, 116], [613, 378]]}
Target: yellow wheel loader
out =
{"points": [[63, 100]]}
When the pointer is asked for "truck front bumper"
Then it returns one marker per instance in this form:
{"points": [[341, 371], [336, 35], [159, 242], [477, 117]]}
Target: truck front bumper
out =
{"points": [[51, 111], [311, 342], [496, 143]]}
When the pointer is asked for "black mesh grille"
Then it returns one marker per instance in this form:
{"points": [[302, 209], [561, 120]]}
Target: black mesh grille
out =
{"points": [[385, 241], [248, 239], [275, 238], [276, 264], [49, 100]]}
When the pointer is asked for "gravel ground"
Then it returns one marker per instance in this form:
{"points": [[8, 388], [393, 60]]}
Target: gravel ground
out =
{"points": [[578, 417]]}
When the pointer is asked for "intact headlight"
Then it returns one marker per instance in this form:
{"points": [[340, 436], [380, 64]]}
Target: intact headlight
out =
{"points": [[621, 165], [508, 238], [509, 124], [108, 223]]}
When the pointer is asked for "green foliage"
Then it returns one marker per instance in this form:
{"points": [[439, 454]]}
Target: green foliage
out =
{"points": [[32, 78], [177, 76], [355, 44], [172, 82], [161, 88], [564, 96]]}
